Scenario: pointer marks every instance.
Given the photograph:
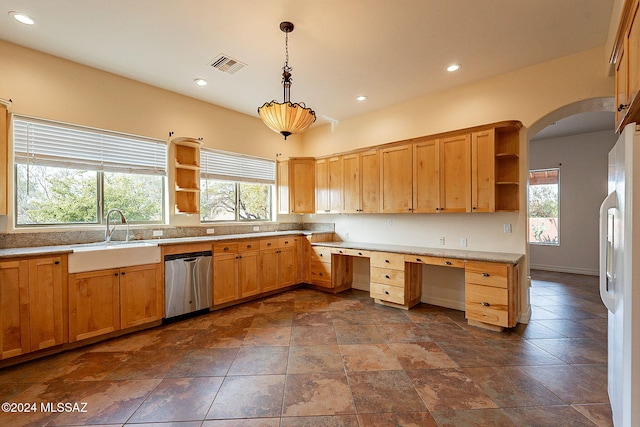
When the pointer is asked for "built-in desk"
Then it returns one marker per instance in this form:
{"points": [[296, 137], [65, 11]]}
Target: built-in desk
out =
{"points": [[492, 296]]}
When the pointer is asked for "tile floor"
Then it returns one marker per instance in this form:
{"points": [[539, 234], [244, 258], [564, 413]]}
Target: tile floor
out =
{"points": [[306, 358]]}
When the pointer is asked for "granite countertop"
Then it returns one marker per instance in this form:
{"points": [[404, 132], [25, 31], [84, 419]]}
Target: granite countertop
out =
{"points": [[509, 258], [66, 249]]}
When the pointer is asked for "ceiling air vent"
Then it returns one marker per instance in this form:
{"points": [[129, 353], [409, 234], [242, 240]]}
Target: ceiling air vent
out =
{"points": [[227, 64]]}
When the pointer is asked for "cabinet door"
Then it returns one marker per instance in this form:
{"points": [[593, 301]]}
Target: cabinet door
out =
{"points": [[426, 176], [455, 174], [335, 185], [46, 280], [225, 278], [94, 304], [396, 179], [302, 184], [483, 171], [370, 182], [351, 184], [14, 306], [322, 185], [4, 155], [621, 87], [268, 269], [633, 53], [141, 290], [283, 187], [248, 271], [286, 267]]}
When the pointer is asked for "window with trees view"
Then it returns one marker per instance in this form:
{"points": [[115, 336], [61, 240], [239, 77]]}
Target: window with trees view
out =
{"points": [[544, 206], [67, 174], [235, 187]]}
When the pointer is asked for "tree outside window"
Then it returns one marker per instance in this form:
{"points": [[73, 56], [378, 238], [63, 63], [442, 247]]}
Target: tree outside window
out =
{"points": [[544, 206]]}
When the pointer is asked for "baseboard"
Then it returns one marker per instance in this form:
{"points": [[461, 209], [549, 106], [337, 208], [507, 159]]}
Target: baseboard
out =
{"points": [[525, 316], [443, 302], [562, 269]]}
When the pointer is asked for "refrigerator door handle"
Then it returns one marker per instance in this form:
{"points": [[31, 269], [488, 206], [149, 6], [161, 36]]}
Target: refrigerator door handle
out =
{"points": [[610, 202]]}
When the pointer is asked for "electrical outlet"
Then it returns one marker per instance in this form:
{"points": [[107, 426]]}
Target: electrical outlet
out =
{"points": [[157, 233], [507, 228], [442, 241], [463, 242], [256, 228], [211, 231], [389, 223]]}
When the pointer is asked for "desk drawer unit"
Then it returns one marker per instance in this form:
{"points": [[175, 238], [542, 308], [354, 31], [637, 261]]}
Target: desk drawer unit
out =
{"points": [[434, 260], [388, 293], [351, 252], [392, 282], [491, 296]]}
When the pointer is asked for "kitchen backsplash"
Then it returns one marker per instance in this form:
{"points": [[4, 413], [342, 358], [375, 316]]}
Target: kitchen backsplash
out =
{"points": [[52, 238]]}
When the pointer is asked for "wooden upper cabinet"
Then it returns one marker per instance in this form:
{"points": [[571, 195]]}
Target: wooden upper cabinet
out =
{"points": [[352, 193], [455, 173], [483, 171], [621, 88], [296, 186], [396, 179], [633, 51], [426, 176], [329, 185], [626, 56], [4, 156], [369, 181]]}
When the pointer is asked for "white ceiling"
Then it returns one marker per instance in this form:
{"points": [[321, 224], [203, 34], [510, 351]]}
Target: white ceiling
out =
{"points": [[388, 50]]}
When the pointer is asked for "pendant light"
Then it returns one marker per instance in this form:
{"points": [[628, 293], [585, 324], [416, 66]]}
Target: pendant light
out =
{"points": [[286, 118]]}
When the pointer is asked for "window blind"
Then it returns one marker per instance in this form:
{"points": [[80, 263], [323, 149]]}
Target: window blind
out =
{"points": [[45, 143], [223, 165]]}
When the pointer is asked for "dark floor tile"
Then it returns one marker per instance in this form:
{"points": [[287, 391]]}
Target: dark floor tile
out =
{"points": [[599, 414], [178, 399], [508, 386], [262, 337], [131, 342], [569, 383], [256, 396], [438, 331], [224, 337], [171, 339], [309, 359], [147, 364], [260, 361], [39, 370], [91, 366], [341, 304], [474, 418], [204, 363], [317, 394], [320, 421], [575, 328], [449, 389], [403, 332], [546, 416], [251, 422], [534, 329], [575, 350], [369, 357], [384, 391], [421, 355], [344, 318], [358, 334], [312, 318], [522, 352], [406, 419], [272, 320], [467, 353], [313, 335]]}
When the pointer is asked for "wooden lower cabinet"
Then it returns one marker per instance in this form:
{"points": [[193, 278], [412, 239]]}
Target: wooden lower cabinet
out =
{"points": [[394, 282], [32, 304], [105, 301], [248, 273], [278, 263], [225, 277]]}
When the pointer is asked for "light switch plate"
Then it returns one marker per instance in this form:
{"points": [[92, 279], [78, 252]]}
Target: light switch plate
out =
{"points": [[211, 231], [157, 233]]}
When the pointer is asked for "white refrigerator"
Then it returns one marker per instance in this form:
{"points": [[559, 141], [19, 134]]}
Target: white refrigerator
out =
{"points": [[620, 276]]}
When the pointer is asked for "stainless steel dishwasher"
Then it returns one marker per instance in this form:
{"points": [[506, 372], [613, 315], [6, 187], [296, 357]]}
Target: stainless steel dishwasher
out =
{"points": [[188, 282]]}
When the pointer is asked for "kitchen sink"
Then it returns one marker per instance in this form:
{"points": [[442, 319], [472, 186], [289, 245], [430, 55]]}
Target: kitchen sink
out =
{"points": [[105, 255]]}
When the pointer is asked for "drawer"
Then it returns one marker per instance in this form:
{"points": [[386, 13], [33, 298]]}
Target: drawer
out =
{"points": [[387, 293], [248, 245], [320, 271], [434, 260], [387, 260], [321, 253], [387, 276], [350, 252], [225, 247], [487, 304], [285, 242], [486, 273], [268, 243]]}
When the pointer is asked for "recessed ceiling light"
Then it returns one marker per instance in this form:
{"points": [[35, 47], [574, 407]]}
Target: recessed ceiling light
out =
{"points": [[200, 82], [21, 17], [453, 67], [361, 98]]}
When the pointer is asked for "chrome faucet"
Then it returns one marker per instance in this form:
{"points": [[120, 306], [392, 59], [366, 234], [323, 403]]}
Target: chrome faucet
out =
{"points": [[110, 229]]}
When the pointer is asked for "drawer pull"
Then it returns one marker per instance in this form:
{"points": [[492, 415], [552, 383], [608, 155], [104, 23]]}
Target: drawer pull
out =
{"points": [[448, 262], [226, 248], [286, 242], [321, 254], [485, 304], [386, 276], [339, 251], [320, 274], [249, 246], [485, 274], [268, 244], [386, 292], [386, 260], [418, 259], [56, 262], [360, 253]]}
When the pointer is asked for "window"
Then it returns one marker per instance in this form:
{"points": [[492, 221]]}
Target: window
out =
{"points": [[66, 174], [235, 187], [544, 206]]}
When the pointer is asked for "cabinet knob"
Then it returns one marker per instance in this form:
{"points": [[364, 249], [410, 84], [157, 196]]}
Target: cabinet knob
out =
{"points": [[437, 209], [56, 262], [321, 254], [448, 262], [386, 276], [418, 260], [320, 274], [623, 107], [386, 260], [340, 251], [226, 249], [286, 242], [115, 274], [485, 274], [386, 292], [123, 273], [485, 304], [268, 244], [249, 246], [359, 253], [474, 208]]}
